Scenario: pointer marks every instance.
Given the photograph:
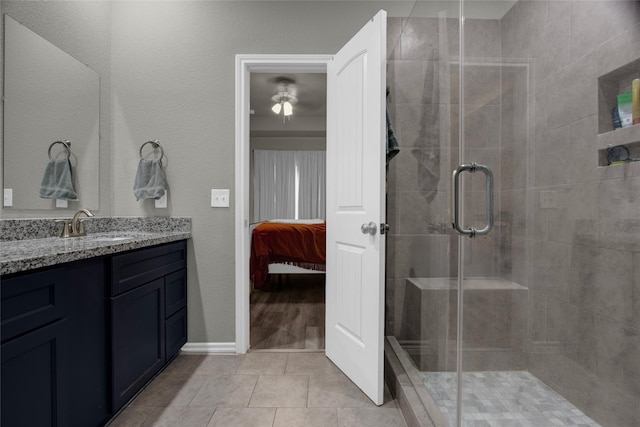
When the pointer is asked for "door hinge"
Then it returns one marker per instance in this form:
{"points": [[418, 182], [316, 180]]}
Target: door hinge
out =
{"points": [[384, 228]]}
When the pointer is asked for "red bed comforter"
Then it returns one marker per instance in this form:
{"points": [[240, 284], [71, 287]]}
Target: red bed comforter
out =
{"points": [[302, 245]]}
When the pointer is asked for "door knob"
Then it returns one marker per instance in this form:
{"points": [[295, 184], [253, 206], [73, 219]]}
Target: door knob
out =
{"points": [[370, 228]]}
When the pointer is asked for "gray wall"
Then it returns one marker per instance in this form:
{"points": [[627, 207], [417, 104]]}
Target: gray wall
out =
{"points": [[168, 73], [173, 74]]}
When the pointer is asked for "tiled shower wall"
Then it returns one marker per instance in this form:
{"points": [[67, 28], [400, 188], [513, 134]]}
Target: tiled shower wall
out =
{"points": [[566, 228], [577, 244]]}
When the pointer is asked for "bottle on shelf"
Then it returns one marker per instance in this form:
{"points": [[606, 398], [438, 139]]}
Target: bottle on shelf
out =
{"points": [[635, 101]]}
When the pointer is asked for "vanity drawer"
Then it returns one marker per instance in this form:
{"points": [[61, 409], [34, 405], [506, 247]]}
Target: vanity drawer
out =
{"points": [[135, 268], [32, 300]]}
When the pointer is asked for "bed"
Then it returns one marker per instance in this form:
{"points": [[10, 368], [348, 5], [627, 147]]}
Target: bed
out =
{"points": [[286, 247]]}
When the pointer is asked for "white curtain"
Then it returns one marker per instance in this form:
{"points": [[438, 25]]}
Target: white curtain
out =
{"points": [[274, 184], [311, 184], [288, 184]]}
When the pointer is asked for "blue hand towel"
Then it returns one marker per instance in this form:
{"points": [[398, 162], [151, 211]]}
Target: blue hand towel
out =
{"points": [[57, 182], [150, 182], [393, 147]]}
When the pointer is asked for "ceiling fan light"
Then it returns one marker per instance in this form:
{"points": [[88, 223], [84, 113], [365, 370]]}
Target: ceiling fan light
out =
{"points": [[288, 108], [276, 108]]}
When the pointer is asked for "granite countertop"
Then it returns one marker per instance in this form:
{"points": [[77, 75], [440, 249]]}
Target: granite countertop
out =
{"points": [[29, 254]]}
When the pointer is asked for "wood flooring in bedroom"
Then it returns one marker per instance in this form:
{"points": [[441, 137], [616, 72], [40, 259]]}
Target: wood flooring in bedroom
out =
{"points": [[291, 316]]}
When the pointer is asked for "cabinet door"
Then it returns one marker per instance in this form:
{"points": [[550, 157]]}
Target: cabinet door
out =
{"points": [[34, 375], [176, 332], [32, 300], [175, 291], [138, 339]]}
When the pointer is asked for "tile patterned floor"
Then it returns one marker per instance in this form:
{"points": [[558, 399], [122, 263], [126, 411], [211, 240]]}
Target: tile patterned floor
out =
{"points": [[257, 389], [509, 398]]}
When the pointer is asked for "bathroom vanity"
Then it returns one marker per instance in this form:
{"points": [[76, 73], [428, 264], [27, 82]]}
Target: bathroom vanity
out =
{"points": [[81, 336]]}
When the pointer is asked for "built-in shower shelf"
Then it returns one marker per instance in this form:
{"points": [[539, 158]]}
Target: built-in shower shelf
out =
{"points": [[628, 137], [617, 80]]}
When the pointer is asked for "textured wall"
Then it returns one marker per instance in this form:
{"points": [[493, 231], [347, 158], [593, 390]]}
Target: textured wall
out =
{"points": [[172, 65], [173, 80]]}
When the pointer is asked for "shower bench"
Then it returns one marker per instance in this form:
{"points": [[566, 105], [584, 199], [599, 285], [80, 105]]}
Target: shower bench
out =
{"points": [[494, 319]]}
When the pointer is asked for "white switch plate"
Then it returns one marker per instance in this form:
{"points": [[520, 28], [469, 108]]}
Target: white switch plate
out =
{"points": [[8, 197], [61, 203], [161, 203], [219, 198]]}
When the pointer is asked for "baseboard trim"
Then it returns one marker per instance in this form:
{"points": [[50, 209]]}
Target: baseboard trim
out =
{"points": [[209, 347]]}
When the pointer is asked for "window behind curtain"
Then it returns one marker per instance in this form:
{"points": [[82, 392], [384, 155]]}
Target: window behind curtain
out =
{"points": [[289, 184]]}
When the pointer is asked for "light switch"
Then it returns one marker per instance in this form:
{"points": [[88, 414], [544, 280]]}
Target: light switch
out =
{"points": [[161, 203], [8, 197], [219, 198], [61, 203]]}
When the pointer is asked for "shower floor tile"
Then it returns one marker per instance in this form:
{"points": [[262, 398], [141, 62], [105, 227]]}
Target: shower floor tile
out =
{"points": [[503, 398]]}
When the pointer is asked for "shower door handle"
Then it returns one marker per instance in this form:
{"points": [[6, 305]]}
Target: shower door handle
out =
{"points": [[455, 210]]}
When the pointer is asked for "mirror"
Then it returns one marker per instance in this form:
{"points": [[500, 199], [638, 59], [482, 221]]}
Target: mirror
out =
{"points": [[49, 96]]}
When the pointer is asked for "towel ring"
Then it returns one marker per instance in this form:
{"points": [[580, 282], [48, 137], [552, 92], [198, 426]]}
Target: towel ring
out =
{"points": [[155, 145], [67, 146]]}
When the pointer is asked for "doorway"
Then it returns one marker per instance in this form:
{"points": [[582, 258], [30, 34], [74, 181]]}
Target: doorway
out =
{"points": [[355, 164], [245, 66], [287, 192]]}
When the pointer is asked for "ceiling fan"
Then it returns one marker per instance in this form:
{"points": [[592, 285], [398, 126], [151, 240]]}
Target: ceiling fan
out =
{"points": [[285, 97]]}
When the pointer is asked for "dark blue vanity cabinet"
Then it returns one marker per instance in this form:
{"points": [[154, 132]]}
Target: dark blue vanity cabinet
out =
{"points": [[147, 288], [54, 349], [80, 339]]}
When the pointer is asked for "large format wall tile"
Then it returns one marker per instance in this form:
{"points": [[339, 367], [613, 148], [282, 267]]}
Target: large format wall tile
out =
{"points": [[418, 125], [619, 50], [602, 281], [551, 50], [414, 81], [599, 22], [420, 39], [565, 227], [516, 102], [552, 267]]}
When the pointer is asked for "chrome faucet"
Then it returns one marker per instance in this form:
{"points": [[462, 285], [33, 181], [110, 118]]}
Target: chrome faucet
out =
{"points": [[77, 225]]}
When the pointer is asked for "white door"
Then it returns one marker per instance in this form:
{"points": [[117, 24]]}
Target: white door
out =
{"points": [[356, 79]]}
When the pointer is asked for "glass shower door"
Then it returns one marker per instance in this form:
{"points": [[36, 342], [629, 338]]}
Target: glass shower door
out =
{"points": [[488, 194], [422, 248], [544, 292]]}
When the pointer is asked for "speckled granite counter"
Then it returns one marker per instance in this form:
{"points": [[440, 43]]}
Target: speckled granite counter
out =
{"points": [[105, 236]]}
